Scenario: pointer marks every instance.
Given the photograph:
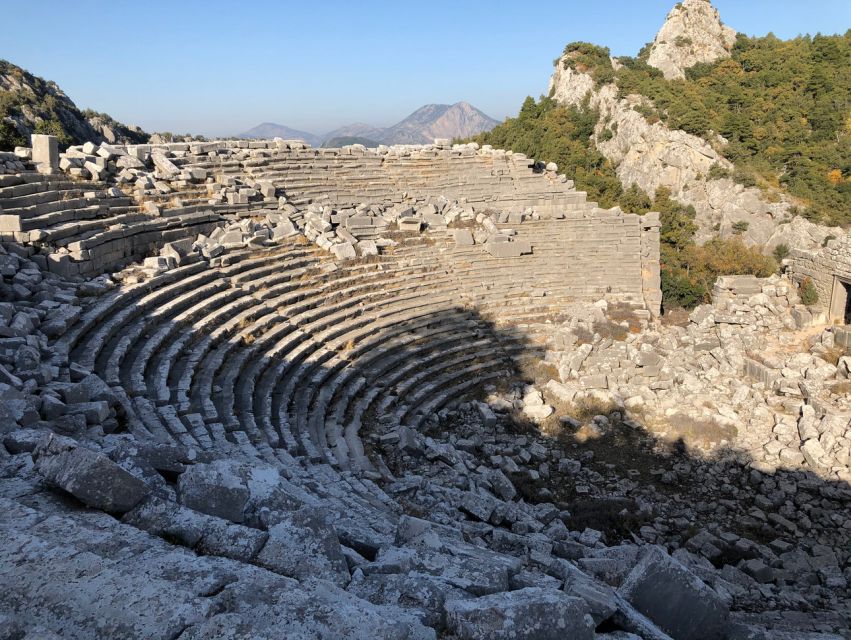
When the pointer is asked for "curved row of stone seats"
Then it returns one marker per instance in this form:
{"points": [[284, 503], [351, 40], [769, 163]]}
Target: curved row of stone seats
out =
{"points": [[253, 353], [342, 177]]}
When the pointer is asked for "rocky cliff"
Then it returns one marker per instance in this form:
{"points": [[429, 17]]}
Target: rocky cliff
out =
{"points": [[693, 33], [651, 155]]}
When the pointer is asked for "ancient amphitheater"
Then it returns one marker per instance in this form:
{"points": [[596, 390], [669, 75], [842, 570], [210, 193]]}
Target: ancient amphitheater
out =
{"points": [[259, 390]]}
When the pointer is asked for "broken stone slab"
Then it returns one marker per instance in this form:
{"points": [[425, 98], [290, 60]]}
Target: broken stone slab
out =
{"points": [[463, 565], [303, 545], [164, 166], [208, 534], [527, 614], [538, 412], [344, 251], [675, 599], [463, 237], [368, 248], [237, 492], [425, 595], [599, 598], [479, 505], [513, 249], [502, 485], [410, 224], [91, 477]]}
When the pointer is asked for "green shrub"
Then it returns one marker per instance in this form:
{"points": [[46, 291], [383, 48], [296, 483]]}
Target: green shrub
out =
{"points": [[808, 292], [781, 105], [585, 57], [781, 252], [718, 172], [744, 178], [740, 227]]}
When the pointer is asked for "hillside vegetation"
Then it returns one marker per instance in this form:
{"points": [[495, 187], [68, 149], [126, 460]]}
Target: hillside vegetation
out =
{"points": [[29, 104], [782, 107], [782, 110]]}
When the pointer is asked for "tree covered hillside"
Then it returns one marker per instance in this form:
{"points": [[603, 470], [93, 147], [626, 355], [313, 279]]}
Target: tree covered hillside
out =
{"points": [[783, 109]]}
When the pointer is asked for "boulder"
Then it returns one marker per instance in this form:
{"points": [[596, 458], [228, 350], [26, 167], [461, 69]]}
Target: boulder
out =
{"points": [[532, 613], [303, 545], [675, 599], [91, 477], [216, 489]]}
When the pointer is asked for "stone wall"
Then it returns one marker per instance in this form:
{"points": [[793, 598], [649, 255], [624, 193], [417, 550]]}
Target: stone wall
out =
{"points": [[576, 258], [823, 267]]}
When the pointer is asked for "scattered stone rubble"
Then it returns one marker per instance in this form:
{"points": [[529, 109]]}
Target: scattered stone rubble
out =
{"points": [[786, 407]]}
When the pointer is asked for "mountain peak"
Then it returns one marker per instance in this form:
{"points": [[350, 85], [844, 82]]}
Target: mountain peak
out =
{"points": [[693, 33]]}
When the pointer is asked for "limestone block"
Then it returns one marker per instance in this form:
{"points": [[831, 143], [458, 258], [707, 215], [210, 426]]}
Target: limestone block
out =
{"points": [[675, 599], [368, 248], [90, 477], [344, 251], [303, 545], [526, 614], [463, 238], [45, 153], [410, 224]]}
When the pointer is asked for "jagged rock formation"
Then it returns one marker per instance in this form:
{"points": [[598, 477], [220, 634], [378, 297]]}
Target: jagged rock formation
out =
{"points": [[29, 100], [692, 34], [653, 155]]}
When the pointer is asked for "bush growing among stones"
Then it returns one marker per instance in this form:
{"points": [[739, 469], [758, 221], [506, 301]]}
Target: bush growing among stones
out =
{"points": [[807, 291], [781, 252]]}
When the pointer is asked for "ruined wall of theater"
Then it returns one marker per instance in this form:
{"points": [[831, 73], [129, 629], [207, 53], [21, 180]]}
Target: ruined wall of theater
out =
{"points": [[349, 176], [599, 254], [823, 267]]}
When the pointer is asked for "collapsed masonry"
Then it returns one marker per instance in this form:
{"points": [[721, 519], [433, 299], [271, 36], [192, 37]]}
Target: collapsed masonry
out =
{"points": [[250, 433], [829, 269], [189, 189]]}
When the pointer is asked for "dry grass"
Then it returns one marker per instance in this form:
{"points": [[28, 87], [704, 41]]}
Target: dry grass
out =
{"points": [[841, 389], [832, 355], [586, 408], [535, 371]]}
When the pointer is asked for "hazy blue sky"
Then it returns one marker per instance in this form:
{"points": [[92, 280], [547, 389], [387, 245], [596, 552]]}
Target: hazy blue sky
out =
{"points": [[215, 67]]}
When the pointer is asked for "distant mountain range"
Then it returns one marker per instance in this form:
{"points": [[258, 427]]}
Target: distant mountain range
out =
{"points": [[459, 120]]}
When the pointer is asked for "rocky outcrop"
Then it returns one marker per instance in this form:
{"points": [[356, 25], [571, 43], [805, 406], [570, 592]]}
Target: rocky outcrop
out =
{"points": [[32, 102], [692, 34], [653, 155]]}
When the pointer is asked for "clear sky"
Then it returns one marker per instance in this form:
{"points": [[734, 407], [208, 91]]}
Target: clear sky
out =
{"points": [[218, 68]]}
